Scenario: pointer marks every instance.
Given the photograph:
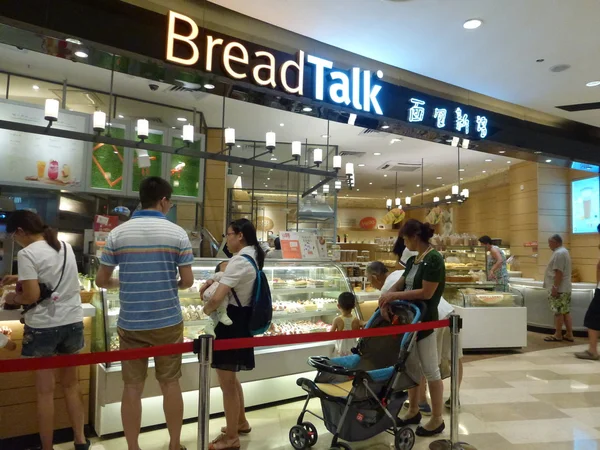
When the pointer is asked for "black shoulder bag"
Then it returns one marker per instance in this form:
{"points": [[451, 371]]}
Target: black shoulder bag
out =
{"points": [[45, 291]]}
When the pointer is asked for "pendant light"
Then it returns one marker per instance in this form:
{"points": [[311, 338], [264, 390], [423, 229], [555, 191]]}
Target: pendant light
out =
{"points": [[398, 202], [455, 190], [338, 185], [296, 149], [325, 189], [388, 204], [99, 121], [51, 110], [436, 199], [407, 200], [271, 140], [337, 162], [229, 137], [318, 156], [143, 129], [349, 169], [188, 134]]}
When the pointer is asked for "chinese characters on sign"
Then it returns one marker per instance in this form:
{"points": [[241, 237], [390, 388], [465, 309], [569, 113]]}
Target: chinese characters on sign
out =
{"points": [[462, 122]]}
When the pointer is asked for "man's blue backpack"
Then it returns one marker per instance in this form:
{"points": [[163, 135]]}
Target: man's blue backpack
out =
{"points": [[262, 303]]}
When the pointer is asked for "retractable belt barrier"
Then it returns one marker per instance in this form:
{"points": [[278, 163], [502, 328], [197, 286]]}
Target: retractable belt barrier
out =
{"points": [[55, 362]]}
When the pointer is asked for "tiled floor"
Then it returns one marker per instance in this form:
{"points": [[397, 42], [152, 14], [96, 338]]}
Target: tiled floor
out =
{"points": [[544, 399]]}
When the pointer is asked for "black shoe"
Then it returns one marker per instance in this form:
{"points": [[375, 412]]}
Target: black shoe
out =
{"points": [[85, 446], [416, 420], [426, 433]]}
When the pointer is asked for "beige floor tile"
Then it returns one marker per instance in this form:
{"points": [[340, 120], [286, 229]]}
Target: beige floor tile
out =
{"points": [[553, 386], [487, 441], [571, 400], [579, 444], [528, 375], [484, 383], [502, 395], [587, 378], [587, 416], [500, 412], [542, 431]]}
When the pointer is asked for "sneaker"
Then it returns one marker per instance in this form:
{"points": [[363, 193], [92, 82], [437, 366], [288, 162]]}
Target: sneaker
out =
{"points": [[448, 404], [425, 409]]}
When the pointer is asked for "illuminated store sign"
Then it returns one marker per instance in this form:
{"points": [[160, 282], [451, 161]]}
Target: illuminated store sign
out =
{"points": [[461, 123], [358, 89]]}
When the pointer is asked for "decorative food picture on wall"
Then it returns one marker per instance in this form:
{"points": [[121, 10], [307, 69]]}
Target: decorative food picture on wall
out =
{"points": [[29, 158], [108, 163], [394, 217], [264, 223], [184, 172]]}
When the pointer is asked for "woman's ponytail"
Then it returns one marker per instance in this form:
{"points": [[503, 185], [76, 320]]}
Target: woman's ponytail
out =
{"points": [[51, 237], [31, 223]]}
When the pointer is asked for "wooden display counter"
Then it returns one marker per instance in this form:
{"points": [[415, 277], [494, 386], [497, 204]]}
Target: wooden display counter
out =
{"points": [[17, 390]]}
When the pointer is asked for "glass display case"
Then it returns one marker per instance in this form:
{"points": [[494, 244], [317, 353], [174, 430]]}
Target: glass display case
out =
{"points": [[464, 264], [304, 297], [476, 298]]}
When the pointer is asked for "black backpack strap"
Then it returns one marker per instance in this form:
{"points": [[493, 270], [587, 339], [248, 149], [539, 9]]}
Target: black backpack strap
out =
{"points": [[237, 299], [27, 308]]}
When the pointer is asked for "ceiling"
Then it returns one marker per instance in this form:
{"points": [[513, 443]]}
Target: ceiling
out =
{"points": [[427, 37], [251, 123]]}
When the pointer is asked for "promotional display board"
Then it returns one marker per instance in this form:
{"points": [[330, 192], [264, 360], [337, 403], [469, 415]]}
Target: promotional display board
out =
{"points": [[296, 245], [37, 160], [585, 196]]}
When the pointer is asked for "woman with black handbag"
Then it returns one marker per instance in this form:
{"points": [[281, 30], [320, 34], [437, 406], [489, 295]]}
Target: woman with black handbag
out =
{"points": [[48, 289]]}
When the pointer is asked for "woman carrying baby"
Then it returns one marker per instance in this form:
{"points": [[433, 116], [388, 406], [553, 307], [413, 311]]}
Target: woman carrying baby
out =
{"points": [[238, 280]]}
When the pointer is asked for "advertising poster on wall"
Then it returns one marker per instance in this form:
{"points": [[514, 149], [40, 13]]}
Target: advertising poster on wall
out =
{"points": [[585, 195], [184, 173], [108, 163], [36, 159], [155, 169]]}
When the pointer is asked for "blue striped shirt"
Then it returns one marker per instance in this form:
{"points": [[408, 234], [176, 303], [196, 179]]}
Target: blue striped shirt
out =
{"points": [[148, 249]]}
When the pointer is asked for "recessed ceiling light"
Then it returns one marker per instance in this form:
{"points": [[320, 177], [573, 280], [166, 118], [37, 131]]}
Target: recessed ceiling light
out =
{"points": [[209, 86], [324, 136], [273, 159], [560, 68], [427, 190], [593, 84], [461, 179], [309, 109], [73, 41], [174, 128], [472, 24], [385, 175], [377, 154], [121, 116], [502, 152], [394, 140], [418, 185], [443, 184], [548, 160], [370, 182], [461, 170], [488, 160], [238, 146], [35, 87], [538, 153], [357, 190], [242, 173], [385, 126], [282, 124], [508, 162], [266, 185], [81, 54], [483, 171], [240, 166], [268, 179], [438, 178], [182, 119], [361, 165]]}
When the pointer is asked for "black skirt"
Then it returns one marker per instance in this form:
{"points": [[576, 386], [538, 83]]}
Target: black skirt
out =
{"points": [[592, 316], [240, 359]]}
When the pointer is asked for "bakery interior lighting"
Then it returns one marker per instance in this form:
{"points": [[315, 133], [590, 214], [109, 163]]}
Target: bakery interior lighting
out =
{"points": [[99, 121]]}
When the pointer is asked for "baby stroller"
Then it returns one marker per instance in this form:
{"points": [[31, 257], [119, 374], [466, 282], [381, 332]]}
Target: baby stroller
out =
{"points": [[358, 400]]}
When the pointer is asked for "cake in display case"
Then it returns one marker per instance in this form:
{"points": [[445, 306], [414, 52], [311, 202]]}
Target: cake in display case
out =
{"points": [[476, 298], [304, 298]]}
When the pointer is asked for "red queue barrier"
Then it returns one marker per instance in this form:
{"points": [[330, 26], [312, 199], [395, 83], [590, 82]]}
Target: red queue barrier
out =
{"points": [[55, 362]]}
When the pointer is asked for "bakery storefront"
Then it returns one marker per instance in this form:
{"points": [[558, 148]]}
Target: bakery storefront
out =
{"points": [[328, 151]]}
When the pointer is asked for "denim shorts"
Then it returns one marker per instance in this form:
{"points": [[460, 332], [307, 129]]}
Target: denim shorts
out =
{"points": [[62, 340]]}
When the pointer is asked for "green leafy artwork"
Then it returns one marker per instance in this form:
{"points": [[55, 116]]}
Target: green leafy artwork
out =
{"points": [[107, 163]]}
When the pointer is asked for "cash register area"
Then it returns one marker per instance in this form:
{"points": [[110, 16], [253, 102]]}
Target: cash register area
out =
{"points": [[532, 399]]}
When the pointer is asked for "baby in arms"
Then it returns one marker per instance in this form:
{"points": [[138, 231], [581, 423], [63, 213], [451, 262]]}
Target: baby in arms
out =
{"points": [[220, 314]]}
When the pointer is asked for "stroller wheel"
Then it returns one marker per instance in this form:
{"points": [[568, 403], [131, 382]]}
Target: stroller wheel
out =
{"points": [[299, 437], [405, 439], [311, 430]]}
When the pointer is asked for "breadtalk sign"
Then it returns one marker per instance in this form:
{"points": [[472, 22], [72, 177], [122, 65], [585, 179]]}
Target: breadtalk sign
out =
{"points": [[358, 89]]}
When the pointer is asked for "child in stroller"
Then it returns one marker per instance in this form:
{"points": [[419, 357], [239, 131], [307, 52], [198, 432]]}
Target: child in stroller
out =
{"points": [[362, 394]]}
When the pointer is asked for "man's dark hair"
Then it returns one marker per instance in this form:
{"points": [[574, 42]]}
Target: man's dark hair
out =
{"points": [[153, 190], [556, 238], [277, 243], [347, 301], [485, 240], [377, 268]]}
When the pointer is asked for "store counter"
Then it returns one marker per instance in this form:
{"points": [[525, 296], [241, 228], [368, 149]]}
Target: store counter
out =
{"points": [[17, 390], [538, 310]]}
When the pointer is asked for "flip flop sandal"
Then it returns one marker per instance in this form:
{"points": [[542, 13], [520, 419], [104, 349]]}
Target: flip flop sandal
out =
{"points": [[218, 444], [552, 339], [240, 431], [569, 340], [587, 355]]}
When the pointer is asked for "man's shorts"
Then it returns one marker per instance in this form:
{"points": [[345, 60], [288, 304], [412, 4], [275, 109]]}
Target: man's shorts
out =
{"points": [[560, 304], [167, 368], [444, 345]]}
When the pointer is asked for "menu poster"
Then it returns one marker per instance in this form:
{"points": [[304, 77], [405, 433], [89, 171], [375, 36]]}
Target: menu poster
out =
{"points": [[108, 163], [290, 245], [309, 246], [155, 169], [40, 160], [184, 172], [105, 223], [586, 205]]}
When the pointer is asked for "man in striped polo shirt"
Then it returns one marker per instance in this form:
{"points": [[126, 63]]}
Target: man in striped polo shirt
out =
{"points": [[149, 251]]}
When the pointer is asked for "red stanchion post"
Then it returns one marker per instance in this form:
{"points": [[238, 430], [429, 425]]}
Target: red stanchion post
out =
{"points": [[203, 347]]}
